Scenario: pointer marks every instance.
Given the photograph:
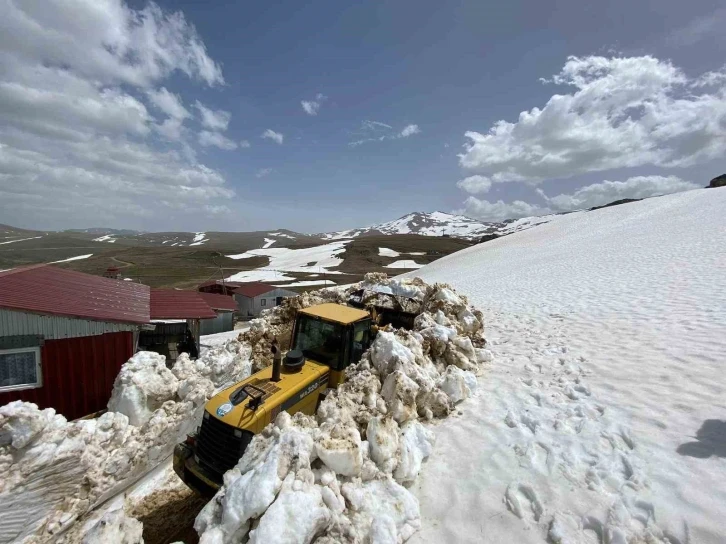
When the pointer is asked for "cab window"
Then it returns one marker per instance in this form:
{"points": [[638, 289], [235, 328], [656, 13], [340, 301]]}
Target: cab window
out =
{"points": [[361, 340], [320, 341]]}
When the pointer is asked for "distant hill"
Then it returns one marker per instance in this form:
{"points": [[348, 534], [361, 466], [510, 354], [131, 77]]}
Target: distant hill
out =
{"points": [[441, 224], [103, 230]]}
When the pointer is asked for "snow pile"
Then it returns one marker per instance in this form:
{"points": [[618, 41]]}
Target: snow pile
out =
{"points": [[339, 477], [55, 470], [404, 263]]}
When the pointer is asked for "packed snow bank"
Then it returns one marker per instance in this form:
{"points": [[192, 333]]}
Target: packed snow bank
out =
{"points": [[338, 477], [55, 470], [601, 420]]}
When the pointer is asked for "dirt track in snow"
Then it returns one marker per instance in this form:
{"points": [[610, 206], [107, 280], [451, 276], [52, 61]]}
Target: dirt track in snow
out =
{"points": [[168, 514]]}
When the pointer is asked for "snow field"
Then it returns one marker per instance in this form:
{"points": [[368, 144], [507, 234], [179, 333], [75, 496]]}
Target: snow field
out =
{"points": [[338, 477], [77, 258], [313, 259], [600, 421]]}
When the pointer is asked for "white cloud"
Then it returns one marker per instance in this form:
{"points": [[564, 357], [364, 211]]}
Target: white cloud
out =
{"points": [[376, 131], [590, 196], [499, 210], [106, 42], [78, 145], [599, 194], [213, 119], [374, 125], [262, 172], [475, 184], [207, 138], [170, 103], [312, 107], [244, 143], [272, 135], [409, 130], [624, 112]]}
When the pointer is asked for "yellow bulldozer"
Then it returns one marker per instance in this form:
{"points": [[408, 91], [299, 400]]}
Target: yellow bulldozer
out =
{"points": [[326, 339]]}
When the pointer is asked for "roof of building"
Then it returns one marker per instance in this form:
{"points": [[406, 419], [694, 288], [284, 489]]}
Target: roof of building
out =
{"points": [[175, 304], [47, 289], [254, 289], [220, 302], [336, 312]]}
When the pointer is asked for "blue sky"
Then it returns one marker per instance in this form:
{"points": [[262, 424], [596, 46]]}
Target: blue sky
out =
{"points": [[447, 68]]}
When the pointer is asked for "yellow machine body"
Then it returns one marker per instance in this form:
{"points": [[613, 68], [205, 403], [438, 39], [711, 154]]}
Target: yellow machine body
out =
{"points": [[231, 418]]}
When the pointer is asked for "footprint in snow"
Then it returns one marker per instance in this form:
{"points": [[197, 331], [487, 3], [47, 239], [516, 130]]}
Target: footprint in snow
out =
{"points": [[522, 500]]}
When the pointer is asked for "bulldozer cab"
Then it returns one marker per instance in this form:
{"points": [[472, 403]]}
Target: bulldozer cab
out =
{"points": [[333, 335]]}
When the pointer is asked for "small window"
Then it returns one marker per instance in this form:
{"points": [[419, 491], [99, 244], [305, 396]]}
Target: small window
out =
{"points": [[20, 369], [263, 302]]}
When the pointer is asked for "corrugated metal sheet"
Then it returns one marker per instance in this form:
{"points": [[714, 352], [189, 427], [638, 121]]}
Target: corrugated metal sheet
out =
{"points": [[50, 290], [14, 323], [78, 373], [173, 304], [222, 323], [219, 302]]}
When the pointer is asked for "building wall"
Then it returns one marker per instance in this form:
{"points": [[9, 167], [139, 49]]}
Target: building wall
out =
{"points": [[222, 323], [53, 327], [253, 306], [78, 373]]}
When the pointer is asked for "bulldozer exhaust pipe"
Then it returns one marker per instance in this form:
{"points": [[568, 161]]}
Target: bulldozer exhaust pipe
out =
{"points": [[276, 361]]}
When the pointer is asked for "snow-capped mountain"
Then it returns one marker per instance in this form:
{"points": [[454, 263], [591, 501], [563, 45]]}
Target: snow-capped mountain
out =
{"points": [[441, 224]]}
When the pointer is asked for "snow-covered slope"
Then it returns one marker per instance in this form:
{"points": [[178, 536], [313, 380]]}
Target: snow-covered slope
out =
{"points": [[603, 418], [440, 224]]}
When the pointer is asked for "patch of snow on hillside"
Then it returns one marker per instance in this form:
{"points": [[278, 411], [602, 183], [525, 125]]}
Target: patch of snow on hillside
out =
{"points": [[20, 240], [282, 235], [315, 259], [307, 283], [268, 243], [385, 252], [77, 258], [603, 418], [199, 239], [404, 263], [105, 238]]}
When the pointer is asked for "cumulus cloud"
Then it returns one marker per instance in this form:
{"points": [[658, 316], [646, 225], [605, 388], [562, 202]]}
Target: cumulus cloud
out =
{"points": [[213, 119], [599, 194], [262, 172], [475, 184], [244, 143], [208, 138], [499, 210], [376, 131], [409, 130], [312, 107], [270, 134], [590, 196], [72, 124], [622, 112]]}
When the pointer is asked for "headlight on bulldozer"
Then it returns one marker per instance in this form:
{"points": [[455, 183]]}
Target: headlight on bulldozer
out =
{"points": [[238, 433]]}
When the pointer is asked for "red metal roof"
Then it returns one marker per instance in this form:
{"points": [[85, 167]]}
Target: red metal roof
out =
{"points": [[219, 302], [253, 289], [46, 289], [173, 304]]}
